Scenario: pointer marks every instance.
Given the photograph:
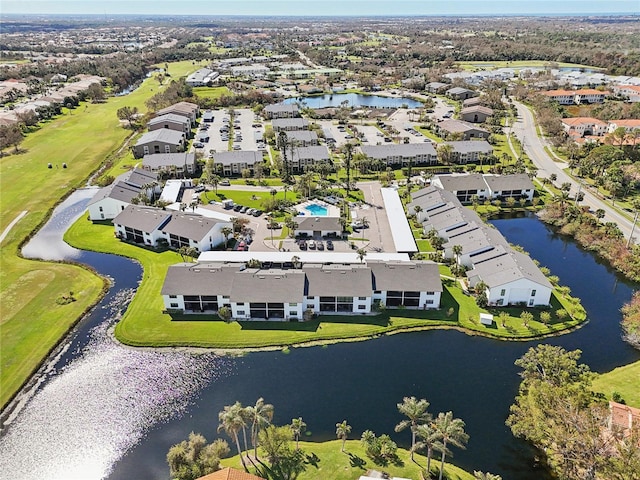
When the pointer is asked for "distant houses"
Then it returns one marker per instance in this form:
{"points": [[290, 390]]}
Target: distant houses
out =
{"points": [[467, 130], [281, 110], [202, 77], [402, 154], [577, 97], [486, 187]]}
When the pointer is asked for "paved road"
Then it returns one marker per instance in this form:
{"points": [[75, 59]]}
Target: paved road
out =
{"points": [[525, 129]]}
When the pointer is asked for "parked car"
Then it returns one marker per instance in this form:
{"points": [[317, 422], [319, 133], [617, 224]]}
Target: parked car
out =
{"points": [[250, 211], [199, 188], [329, 245], [303, 244], [244, 209], [225, 183], [241, 246], [237, 208], [257, 213], [311, 244], [319, 245], [198, 145]]}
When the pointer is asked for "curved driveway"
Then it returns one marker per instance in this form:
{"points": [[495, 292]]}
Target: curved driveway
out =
{"points": [[525, 129]]}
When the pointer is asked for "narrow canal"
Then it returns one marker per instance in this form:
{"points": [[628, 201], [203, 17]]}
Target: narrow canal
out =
{"points": [[108, 411]]}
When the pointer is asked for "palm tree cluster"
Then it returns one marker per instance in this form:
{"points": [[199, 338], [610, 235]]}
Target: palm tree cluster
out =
{"points": [[434, 433], [236, 418]]}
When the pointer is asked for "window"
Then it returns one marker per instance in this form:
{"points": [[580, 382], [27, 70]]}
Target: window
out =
{"points": [[173, 296], [362, 298], [429, 293], [429, 302], [502, 292], [174, 305], [531, 302], [101, 209], [533, 293], [102, 215], [145, 150], [293, 304], [362, 307], [240, 312], [293, 314]]}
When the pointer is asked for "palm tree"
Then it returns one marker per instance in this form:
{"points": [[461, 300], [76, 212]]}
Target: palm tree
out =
{"points": [[261, 415], [485, 476], [429, 440], [226, 231], [457, 251], [416, 413], [297, 427], [231, 422], [365, 224], [286, 188], [451, 431], [361, 252], [417, 209], [348, 152], [342, 431]]}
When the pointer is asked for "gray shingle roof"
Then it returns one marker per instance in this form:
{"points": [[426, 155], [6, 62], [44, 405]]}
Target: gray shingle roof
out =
{"points": [[302, 135], [456, 183], [518, 181], [118, 191], [318, 223], [250, 157], [405, 276], [281, 107], [265, 286], [297, 123], [398, 150], [190, 225], [459, 126], [142, 218], [477, 109], [158, 160], [169, 117], [200, 279], [338, 280], [316, 153], [165, 135], [481, 146], [507, 268]]}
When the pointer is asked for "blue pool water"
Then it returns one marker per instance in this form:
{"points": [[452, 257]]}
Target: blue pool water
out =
{"points": [[316, 210]]}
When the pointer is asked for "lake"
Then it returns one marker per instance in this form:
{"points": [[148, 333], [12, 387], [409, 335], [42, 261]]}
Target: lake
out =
{"points": [[108, 411], [355, 100]]}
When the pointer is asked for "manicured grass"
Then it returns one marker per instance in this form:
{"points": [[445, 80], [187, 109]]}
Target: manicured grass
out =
{"points": [[248, 199], [335, 464], [625, 380], [32, 321], [144, 324], [211, 92]]}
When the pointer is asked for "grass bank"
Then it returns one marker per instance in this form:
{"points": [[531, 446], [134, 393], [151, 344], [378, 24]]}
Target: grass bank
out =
{"points": [[334, 464], [144, 324], [624, 380], [32, 321]]}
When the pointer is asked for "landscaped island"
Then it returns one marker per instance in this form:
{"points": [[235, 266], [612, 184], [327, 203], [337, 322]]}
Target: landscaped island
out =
{"points": [[145, 324]]}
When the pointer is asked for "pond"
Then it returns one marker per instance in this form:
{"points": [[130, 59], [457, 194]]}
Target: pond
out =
{"points": [[108, 411], [355, 100]]}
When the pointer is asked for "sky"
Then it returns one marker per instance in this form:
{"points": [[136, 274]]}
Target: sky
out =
{"points": [[321, 7]]}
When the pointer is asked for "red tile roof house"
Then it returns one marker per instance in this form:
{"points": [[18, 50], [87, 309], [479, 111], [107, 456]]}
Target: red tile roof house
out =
{"points": [[584, 126], [571, 97], [230, 474], [631, 92], [623, 418]]}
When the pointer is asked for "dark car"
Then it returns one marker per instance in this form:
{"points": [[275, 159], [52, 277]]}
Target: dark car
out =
{"points": [[257, 213], [303, 244], [329, 245], [198, 145], [237, 208]]}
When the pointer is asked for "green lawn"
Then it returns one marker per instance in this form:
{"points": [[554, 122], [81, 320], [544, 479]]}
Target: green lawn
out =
{"points": [[211, 92], [144, 324], [32, 322], [353, 462], [625, 380], [248, 199]]}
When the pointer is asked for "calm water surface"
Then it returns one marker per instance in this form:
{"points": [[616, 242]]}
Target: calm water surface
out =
{"points": [[355, 100], [110, 411]]}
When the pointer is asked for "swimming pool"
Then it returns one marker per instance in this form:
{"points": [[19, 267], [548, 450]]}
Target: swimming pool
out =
{"points": [[316, 210]]}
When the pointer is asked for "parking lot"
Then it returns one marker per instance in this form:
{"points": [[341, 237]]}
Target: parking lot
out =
{"points": [[240, 129]]}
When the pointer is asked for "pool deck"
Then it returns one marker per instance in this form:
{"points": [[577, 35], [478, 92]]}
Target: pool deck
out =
{"points": [[332, 210]]}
